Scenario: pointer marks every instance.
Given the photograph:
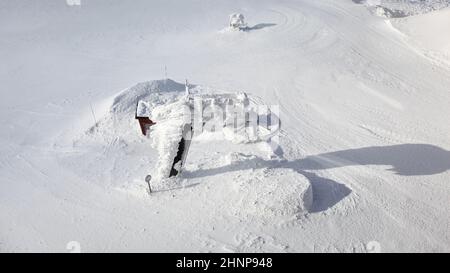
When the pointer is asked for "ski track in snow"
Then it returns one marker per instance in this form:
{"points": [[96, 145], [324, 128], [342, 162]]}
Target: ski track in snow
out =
{"points": [[364, 113]]}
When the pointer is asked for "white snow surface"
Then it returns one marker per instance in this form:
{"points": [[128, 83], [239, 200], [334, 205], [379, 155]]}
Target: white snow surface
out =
{"points": [[364, 104], [403, 8], [417, 31]]}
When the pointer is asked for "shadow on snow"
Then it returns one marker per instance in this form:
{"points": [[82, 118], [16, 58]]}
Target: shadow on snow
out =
{"points": [[404, 159]]}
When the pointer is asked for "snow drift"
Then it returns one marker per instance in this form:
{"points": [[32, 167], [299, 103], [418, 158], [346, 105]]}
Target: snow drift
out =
{"points": [[233, 117], [403, 8], [271, 192]]}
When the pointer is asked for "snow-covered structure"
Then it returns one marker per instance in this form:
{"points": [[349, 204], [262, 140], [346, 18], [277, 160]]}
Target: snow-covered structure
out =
{"points": [[230, 116], [237, 21], [171, 137]]}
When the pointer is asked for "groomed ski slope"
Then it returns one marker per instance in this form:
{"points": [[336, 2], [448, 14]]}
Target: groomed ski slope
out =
{"points": [[363, 103]]}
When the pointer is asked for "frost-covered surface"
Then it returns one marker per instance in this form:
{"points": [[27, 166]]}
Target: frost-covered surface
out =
{"points": [[222, 116], [166, 134], [363, 104], [403, 8], [422, 23], [419, 31]]}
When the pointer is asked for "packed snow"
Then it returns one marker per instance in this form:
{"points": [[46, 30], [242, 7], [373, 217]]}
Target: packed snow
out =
{"points": [[360, 154], [403, 8], [417, 31]]}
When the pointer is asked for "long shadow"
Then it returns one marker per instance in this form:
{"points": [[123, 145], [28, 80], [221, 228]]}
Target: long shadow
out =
{"points": [[404, 159], [326, 192], [260, 26]]}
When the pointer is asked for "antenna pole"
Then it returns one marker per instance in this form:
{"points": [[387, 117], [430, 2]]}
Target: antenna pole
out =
{"points": [[93, 114], [186, 84]]}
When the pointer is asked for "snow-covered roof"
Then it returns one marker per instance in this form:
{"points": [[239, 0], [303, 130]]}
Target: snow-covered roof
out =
{"points": [[143, 109]]}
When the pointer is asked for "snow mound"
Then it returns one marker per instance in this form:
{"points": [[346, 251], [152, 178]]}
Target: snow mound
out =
{"points": [[283, 192], [428, 32], [403, 8], [268, 192], [149, 91], [119, 117], [123, 156]]}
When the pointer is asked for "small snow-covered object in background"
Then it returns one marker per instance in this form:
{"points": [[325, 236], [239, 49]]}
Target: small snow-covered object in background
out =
{"points": [[237, 21]]}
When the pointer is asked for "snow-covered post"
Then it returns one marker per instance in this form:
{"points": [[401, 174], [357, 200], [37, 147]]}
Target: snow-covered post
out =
{"points": [[148, 179], [186, 84]]}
